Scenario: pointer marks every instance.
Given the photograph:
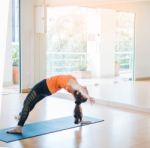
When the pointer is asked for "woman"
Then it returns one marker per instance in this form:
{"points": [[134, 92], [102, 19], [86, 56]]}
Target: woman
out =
{"points": [[48, 87]]}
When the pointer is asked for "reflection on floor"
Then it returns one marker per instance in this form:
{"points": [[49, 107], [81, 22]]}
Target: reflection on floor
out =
{"points": [[126, 94], [115, 92]]}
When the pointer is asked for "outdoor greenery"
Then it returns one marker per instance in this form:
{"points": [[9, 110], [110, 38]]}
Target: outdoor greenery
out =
{"points": [[67, 43], [67, 33], [125, 41], [15, 54]]}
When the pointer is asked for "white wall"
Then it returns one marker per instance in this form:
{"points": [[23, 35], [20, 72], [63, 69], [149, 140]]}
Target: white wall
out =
{"points": [[33, 45], [142, 53], [40, 57], [27, 43]]}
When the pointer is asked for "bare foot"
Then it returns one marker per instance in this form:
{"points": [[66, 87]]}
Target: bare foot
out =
{"points": [[16, 130]]}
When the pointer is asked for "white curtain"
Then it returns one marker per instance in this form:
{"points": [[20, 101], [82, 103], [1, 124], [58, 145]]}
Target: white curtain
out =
{"points": [[4, 19]]}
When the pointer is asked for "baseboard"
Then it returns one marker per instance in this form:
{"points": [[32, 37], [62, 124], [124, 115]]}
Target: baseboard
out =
{"points": [[25, 90], [143, 79]]}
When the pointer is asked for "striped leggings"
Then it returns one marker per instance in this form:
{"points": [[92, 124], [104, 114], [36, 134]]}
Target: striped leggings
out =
{"points": [[38, 92]]}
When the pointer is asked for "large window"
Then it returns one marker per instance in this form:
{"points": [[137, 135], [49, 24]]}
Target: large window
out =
{"points": [[124, 51], [15, 42], [66, 40], [82, 39]]}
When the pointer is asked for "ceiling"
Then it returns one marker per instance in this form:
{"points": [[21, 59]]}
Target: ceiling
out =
{"points": [[92, 3], [95, 1]]}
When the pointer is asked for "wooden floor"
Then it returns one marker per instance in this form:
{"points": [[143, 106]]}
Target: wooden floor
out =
{"points": [[122, 128]]}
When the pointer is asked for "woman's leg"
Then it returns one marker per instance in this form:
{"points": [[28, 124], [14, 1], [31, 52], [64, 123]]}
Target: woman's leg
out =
{"points": [[29, 104], [37, 93]]}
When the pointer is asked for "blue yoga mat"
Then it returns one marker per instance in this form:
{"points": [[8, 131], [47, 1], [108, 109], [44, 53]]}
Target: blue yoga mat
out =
{"points": [[45, 127]]}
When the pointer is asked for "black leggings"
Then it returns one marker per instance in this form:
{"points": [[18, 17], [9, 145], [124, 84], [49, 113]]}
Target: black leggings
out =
{"points": [[38, 92]]}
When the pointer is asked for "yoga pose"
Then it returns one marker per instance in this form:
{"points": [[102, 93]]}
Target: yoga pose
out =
{"points": [[48, 87]]}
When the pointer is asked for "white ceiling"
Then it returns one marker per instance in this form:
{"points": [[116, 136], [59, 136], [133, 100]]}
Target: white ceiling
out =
{"points": [[119, 0], [96, 1], [92, 3]]}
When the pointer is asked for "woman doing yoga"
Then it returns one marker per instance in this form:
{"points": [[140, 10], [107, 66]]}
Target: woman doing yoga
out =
{"points": [[48, 87]]}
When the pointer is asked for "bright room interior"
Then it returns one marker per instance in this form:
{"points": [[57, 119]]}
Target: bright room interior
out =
{"points": [[104, 44]]}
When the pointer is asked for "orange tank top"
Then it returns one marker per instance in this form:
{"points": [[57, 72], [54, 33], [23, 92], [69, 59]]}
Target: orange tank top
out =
{"points": [[58, 82]]}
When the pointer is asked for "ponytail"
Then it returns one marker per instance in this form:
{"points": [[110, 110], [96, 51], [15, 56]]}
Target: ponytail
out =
{"points": [[78, 114]]}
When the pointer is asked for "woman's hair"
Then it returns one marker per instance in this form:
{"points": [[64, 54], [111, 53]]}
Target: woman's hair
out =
{"points": [[79, 98], [77, 114]]}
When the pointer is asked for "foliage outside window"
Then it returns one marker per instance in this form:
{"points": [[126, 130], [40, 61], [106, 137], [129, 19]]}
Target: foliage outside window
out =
{"points": [[125, 41], [15, 54], [67, 43]]}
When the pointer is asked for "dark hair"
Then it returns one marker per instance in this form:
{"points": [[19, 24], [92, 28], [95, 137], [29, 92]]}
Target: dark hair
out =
{"points": [[79, 98], [77, 114]]}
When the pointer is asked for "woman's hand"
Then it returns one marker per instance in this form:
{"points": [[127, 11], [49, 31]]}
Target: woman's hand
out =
{"points": [[86, 90], [92, 100]]}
